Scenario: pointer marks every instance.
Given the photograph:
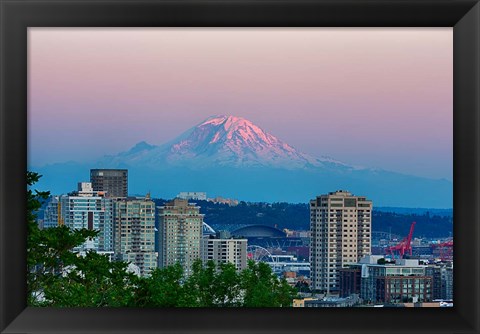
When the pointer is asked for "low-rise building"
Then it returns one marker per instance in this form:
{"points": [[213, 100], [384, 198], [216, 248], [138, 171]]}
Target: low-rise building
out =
{"points": [[350, 281], [334, 302], [300, 302], [225, 250], [221, 200], [403, 288], [382, 282], [193, 195]]}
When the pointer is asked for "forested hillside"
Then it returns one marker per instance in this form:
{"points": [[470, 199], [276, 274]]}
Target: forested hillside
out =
{"points": [[297, 217]]}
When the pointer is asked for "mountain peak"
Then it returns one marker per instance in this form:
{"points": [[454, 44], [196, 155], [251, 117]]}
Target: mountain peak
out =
{"points": [[227, 121], [228, 140], [234, 130], [224, 140], [141, 146]]}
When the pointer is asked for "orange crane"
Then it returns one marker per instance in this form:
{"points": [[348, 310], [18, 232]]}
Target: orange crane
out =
{"points": [[403, 246]]}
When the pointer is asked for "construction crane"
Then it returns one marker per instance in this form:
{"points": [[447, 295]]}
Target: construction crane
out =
{"points": [[444, 250], [403, 246]]}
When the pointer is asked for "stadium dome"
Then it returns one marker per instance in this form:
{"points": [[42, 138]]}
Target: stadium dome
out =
{"points": [[258, 231]]}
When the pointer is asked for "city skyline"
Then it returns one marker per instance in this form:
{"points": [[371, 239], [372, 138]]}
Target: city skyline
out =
{"points": [[323, 266], [338, 86]]}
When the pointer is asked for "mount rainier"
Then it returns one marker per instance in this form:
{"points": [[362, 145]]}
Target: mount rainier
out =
{"points": [[230, 156], [226, 141]]}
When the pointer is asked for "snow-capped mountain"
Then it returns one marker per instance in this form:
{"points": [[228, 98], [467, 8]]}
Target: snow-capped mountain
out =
{"points": [[230, 156], [227, 141]]}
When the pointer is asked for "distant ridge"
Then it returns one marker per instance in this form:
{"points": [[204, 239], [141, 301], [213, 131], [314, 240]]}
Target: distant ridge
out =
{"points": [[417, 211]]}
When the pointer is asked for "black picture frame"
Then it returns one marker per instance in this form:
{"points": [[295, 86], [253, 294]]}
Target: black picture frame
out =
{"points": [[18, 15]]}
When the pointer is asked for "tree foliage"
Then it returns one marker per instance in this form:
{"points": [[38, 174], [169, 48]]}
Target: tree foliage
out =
{"points": [[209, 285], [58, 276], [163, 288], [263, 288]]}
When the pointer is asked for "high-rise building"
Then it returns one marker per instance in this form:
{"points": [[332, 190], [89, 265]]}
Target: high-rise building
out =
{"points": [[340, 234], [135, 233], [88, 209], [113, 182], [225, 250], [435, 271], [51, 218], [447, 282], [180, 234]]}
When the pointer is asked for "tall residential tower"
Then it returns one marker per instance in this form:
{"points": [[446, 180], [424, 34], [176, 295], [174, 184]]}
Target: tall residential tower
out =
{"points": [[135, 233], [180, 234], [340, 226]]}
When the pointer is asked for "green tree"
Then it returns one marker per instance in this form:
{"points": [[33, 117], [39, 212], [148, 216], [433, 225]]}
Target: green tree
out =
{"points": [[227, 284], [48, 254], [285, 293], [210, 285], [58, 276], [163, 288], [93, 281], [201, 284], [262, 288], [49, 250], [257, 280]]}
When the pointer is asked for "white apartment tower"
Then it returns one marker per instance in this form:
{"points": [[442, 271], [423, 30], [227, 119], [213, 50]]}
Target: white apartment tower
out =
{"points": [[180, 234], [87, 209], [340, 226]]}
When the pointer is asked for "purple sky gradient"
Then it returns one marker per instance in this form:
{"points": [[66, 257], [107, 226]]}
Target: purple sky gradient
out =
{"points": [[371, 97]]}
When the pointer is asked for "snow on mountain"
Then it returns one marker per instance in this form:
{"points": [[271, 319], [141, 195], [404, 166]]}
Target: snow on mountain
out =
{"points": [[224, 141], [234, 141]]}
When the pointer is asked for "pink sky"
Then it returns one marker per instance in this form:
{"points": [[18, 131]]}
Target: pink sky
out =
{"points": [[373, 97]]}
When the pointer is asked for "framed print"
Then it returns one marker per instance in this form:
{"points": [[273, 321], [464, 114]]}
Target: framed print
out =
{"points": [[214, 136]]}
